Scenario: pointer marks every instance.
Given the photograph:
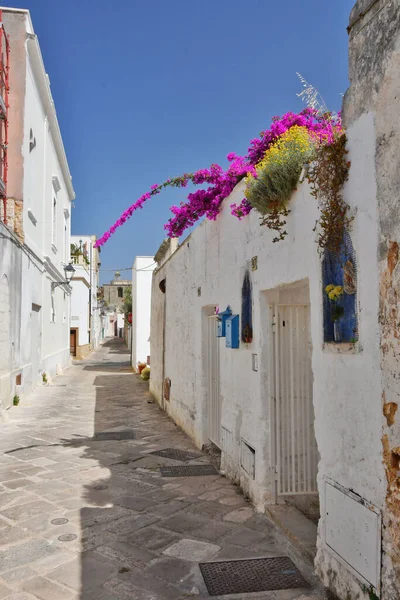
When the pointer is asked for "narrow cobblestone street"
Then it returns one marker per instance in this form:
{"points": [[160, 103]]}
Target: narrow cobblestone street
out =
{"points": [[86, 515]]}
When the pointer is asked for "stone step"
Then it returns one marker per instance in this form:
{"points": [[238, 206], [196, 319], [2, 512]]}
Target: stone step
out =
{"points": [[301, 532]]}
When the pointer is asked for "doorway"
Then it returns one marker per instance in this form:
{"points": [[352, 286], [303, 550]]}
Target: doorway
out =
{"points": [[296, 452], [73, 339], [214, 404]]}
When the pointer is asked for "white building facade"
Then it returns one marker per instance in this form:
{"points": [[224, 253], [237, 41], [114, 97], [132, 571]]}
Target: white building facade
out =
{"points": [[36, 224], [142, 272], [86, 319], [299, 417]]}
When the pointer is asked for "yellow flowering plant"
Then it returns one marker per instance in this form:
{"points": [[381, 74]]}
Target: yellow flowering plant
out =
{"points": [[277, 176], [334, 293]]}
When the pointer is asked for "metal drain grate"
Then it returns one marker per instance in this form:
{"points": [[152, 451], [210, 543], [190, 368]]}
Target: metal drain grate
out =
{"points": [[176, 454], [102, 436], [252, 575], [188, 471]]}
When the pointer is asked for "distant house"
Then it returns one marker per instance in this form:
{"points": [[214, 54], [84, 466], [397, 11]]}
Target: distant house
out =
{"points": [[142, 272], [113, 293], [86, 320]]}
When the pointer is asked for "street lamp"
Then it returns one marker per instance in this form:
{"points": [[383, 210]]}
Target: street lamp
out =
{"points": [[69, 273]]}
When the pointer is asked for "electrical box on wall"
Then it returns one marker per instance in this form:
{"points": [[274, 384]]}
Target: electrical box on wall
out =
{"points": [[232, 332], [353, 531], [222, 318]]}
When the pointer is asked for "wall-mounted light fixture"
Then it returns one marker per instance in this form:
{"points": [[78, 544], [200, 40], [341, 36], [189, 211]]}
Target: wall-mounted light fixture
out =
{"points": [[69, 273]]}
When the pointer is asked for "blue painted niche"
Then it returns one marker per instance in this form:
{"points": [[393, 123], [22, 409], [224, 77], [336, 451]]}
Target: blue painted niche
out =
{"points": [[341, 269]]}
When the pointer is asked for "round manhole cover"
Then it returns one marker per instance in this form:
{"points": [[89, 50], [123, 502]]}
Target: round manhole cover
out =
{"points": [[59, 521], [68, 537]]}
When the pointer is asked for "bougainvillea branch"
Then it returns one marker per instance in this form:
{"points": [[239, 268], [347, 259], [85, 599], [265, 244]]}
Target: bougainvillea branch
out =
{"points": [[207, 202]]}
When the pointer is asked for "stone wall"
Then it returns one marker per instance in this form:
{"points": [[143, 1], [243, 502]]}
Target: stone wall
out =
{"points": [[374, 72]]}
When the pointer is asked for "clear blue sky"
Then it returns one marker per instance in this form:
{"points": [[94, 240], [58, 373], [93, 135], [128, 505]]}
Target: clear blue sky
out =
{"points": [[145, 90]]}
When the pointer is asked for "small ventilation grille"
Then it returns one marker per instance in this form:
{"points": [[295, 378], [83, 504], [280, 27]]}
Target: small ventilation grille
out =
{"points": [[227, 442], [247, 458], [188, 471]]}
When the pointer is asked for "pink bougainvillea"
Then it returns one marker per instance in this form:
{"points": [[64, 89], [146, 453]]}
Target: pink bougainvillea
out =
{"points": [[207, 202]]}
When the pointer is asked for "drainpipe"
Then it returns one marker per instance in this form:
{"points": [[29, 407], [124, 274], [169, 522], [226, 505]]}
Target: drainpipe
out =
{"points": [[163, 288], [90, 294]]}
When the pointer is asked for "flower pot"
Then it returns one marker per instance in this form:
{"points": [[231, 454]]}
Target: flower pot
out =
{"points": [[141, 367]]}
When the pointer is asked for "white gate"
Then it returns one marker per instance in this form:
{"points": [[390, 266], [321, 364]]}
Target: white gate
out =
{"points": [[214, 396], [296, 448]]}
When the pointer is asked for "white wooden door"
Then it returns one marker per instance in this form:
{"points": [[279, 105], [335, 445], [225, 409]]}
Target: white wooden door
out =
{"points": [[214, 395], [296, 448]]}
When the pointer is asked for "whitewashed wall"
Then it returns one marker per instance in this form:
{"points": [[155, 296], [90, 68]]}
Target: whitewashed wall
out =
{"points": [[45, 182], [346, 388], [142, 272], [32, 255], [80, 304], [92, 277]]}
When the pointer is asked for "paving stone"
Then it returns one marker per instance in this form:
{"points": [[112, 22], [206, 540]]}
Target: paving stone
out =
{"points": [[3, 524], [232, 500], [15, 498], [52, 561], [168, 508], [20, 596], [192, 550], [152, 538], [212, 532], [260, 522], [245, 537], [26, 511], [140, 587], [212, 510], [94, 516], [125, 554], [240, 515], [16, 484], [47, 590], [213, 495], [12, 535], [42, 462], [134, 523], [229, 552], [19, 574], [83, 573], [31, 471], [162, 495], [171, 570], [10, 476], [183, 523], [137, 503], [268, 544], [39, 524], [23, 554], [4, 591]]}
